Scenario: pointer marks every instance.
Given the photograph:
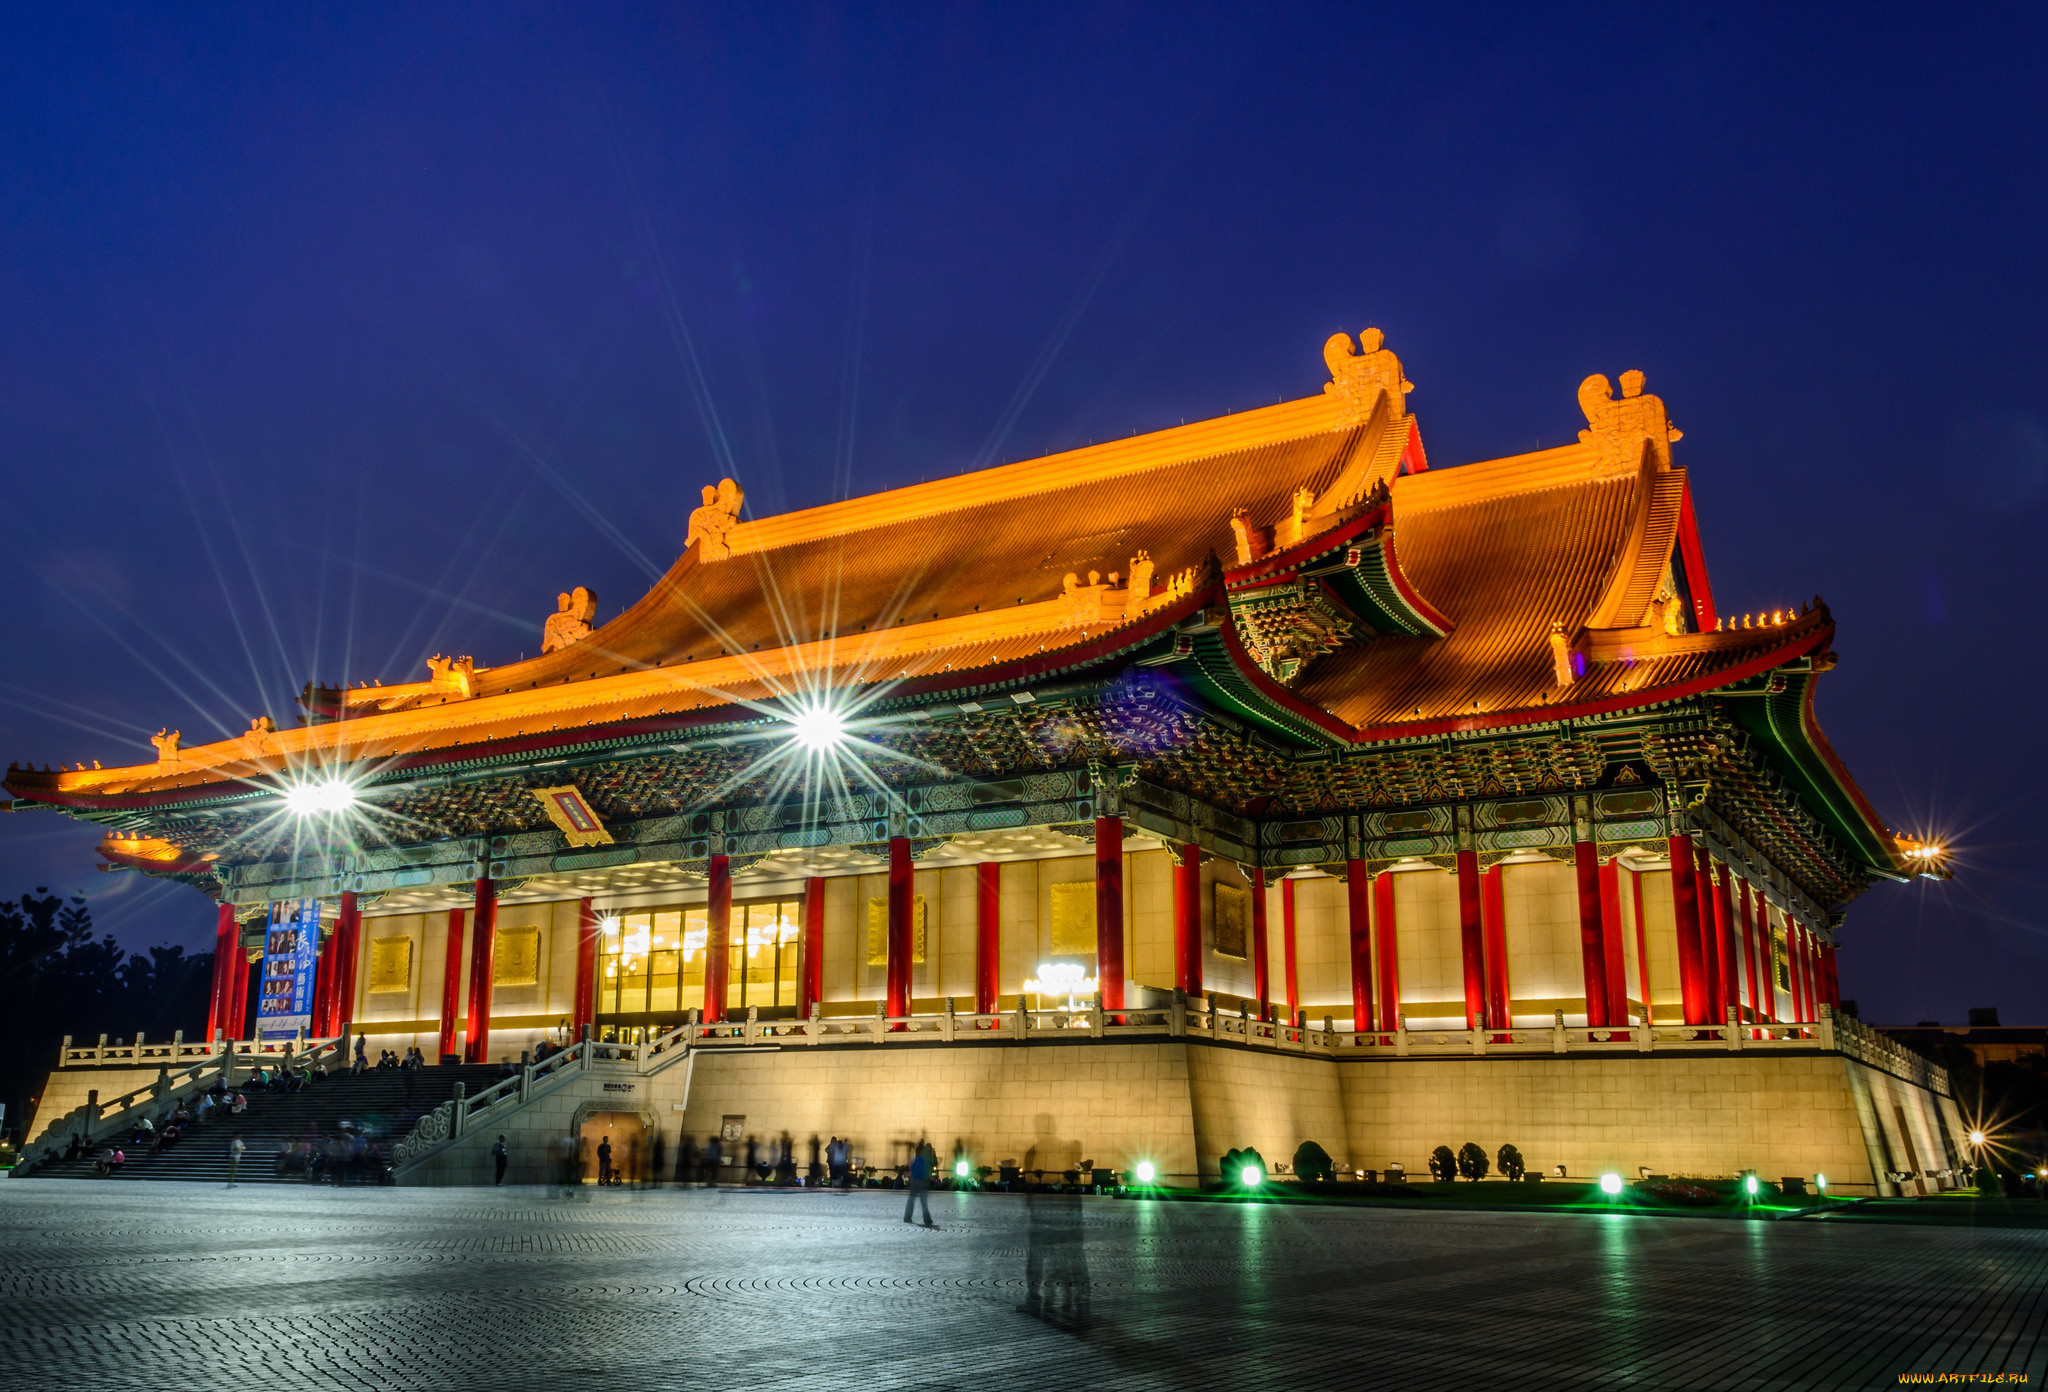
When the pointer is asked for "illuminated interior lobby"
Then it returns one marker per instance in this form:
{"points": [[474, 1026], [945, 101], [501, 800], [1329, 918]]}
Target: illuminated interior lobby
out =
{"points": [[1247, 782]]}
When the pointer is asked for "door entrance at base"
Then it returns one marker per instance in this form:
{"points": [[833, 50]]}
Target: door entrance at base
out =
{"points": [[629, 1137]]}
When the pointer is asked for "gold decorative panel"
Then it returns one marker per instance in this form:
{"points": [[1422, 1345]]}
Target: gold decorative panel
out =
{"points": [[1073, 919], [878, 931], [390, 965], [1233, 920], [516, 962]]}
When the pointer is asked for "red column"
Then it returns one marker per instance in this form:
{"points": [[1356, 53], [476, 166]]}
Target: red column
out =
{"points": [[1834, 977], [1806, 960], [1109, 912], [238, 992], [451, 982], [1592, 933], [1685, 908], [586, 967], [1746, 916], [1725, 943], [1389, 945], [1471, 938], [1710, 955], [1187, 921], [717, 937], [322, 1024], [988, 923], [1493, 921], [1615, 951], [1262, 953], [1289, 959], [811, 981], [1358, 902], [901, 903], [482, 955], [348, 935], [226, 952]]}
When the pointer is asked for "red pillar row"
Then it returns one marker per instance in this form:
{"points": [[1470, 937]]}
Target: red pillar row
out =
{"points": [[586, 967], [988, 921], [239, 972], [1710, 956], [1262, 951], [1109, 915], [1187, 921], [1685, 908], [902, 902], [1390, 966], [1288, 951], [1471, 939], [322, 1023], [482, 956], [811, 979], [1745, 920], [451, 982], [717, 937], [1635, 889], [1358, 900], [1725, 944]]}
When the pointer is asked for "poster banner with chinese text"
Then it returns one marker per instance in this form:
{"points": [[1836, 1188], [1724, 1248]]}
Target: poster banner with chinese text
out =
{"points": [[291, 953]]}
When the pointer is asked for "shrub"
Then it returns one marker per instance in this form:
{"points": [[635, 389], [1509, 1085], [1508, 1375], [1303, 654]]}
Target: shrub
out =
{"points": [[1443, 1164], [1472, 1161], [1312, 1163], [1510, 1162], [1235, 1162]]}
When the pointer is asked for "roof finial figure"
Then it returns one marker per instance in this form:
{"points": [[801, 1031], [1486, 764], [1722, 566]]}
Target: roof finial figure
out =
{"points": [[1620, 429], [571, 621], [1359, 380], [166, 745], [710, 524]]}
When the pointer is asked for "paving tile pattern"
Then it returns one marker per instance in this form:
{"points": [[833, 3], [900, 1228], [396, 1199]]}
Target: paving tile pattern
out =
{"points": [[172, 1286]]}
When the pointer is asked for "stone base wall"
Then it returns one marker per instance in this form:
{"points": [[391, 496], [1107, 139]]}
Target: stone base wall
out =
{"points": [[1181, 1103]]}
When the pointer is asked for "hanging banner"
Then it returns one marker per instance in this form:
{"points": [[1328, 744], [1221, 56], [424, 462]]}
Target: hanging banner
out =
{"points": [[291, 953]]}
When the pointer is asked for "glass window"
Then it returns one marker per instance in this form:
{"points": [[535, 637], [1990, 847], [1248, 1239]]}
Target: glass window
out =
{"points": [[652, 962]]}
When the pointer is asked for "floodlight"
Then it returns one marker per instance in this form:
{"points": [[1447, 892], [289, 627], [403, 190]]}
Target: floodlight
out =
{"points": [[1145, 1172], [1820, 1182], [817, 727], [1976, 1138], [1610, 1184], [327, 797], [1750, 1186], [962, 1168], [1251, 1175]]}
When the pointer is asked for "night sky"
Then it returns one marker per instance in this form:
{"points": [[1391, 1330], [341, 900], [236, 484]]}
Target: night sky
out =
{"points": [[329, 342]]}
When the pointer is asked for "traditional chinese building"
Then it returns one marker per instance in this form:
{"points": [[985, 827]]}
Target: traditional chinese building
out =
{"points": [[1311, 792]]}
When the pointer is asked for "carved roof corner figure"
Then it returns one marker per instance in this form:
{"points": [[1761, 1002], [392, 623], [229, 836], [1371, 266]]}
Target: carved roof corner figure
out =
{"points": [[453, 675], [571, 622], [1359, 379], [710, 524], [1620, 429], [166, 746]]}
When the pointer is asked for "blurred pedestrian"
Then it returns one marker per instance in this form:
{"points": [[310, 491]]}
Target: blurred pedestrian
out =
{"points": [[235, 1149], [604, 1162], [499, 1155], [920, 1184]]}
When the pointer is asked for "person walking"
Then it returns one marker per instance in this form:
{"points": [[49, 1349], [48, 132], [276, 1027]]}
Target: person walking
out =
{"points": [[235, 1149], [362, 1053], [604, 1162], [920, 1184], [714, 1160], [499, 1155]]}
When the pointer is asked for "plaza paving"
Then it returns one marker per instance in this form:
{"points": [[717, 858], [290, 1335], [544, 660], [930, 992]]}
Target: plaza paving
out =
{"points": [[164, 1286]]}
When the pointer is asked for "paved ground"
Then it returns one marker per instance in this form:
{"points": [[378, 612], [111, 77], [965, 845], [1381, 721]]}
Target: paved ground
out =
{"points": [[163, 1286]]}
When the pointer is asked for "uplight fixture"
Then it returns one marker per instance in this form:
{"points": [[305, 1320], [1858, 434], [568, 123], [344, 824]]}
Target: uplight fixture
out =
{"points": [[961, 1169], [1820, 1182], [1977, 1138], [1750, 1186], [326, 797], [817, 727], [1610, 1184], [1252, 1176], [1146, 1172]]}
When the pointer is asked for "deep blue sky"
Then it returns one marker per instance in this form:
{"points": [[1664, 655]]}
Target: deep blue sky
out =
{"points": [[330, 341]]}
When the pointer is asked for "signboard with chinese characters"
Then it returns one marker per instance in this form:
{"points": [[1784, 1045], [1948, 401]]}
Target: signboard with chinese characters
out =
{"points": [[291, 953]]}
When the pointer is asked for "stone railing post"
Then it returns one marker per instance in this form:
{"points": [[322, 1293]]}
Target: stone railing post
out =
{"points": [[1646, 1037], [457, 1111], [1827, 1027], [1734, 1032], [100, 1053], [525, 1082], [1557, 1035], [1023, 1020], [753, 1027], [881, 1022], [1478, 1040], [1401, 1035], [946, 1022], [815, 1026], [64, 1052], [1095, 1020], [1177, 1015]]}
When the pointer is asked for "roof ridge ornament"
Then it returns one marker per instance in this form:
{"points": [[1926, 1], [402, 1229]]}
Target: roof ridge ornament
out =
{"points": [[571, 622], [1357, 381], [454, 675], [166, 742], [711, 523], [1618, 429]]}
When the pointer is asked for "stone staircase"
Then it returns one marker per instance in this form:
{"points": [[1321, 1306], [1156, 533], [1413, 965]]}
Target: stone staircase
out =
{"points": [[375, 1102]]}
